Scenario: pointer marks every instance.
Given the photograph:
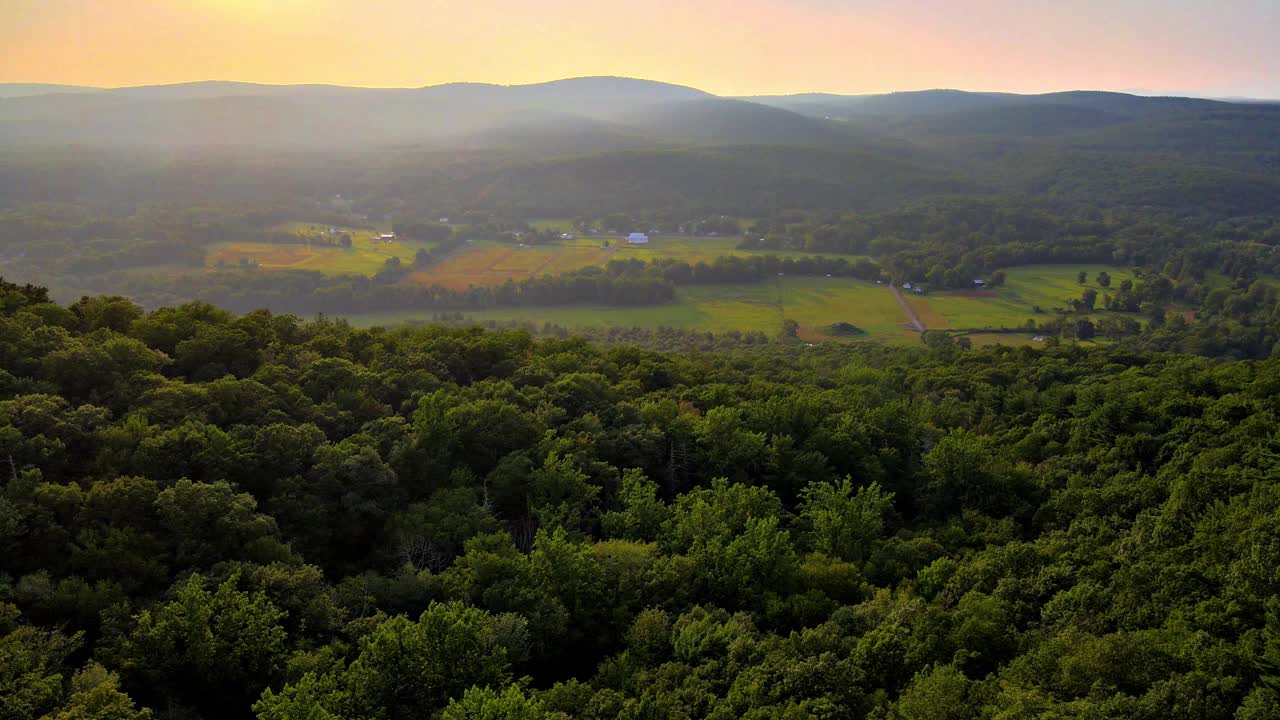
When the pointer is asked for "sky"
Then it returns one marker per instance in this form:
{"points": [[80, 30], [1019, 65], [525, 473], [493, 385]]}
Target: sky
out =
{"points": [[729, 47]]}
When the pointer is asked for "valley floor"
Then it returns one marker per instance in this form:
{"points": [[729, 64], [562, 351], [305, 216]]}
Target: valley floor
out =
{"points": [[819, 303]]}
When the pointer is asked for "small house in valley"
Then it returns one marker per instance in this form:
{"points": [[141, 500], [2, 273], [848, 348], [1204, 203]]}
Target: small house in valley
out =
{"points": [[637, 239]]}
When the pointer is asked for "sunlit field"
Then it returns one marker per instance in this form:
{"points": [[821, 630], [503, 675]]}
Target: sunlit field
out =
{"points": [[700, 249], [815, 303], [488, 263], [485, 263], [480, 262], [366, 255], [1013, 304]]}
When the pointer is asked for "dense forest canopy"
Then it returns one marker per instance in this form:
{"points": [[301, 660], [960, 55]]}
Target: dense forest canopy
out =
{"points": [[212, 515]]}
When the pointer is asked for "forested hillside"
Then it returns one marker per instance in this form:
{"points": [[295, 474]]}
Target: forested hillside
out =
{"points": [[216, 516], [617, 144]]}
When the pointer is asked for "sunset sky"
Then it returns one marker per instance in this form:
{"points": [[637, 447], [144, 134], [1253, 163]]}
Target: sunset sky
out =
{"points": [[732, 47]]}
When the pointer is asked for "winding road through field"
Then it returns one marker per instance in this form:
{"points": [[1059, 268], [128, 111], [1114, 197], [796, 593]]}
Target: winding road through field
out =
{"points": [[915, 321]]}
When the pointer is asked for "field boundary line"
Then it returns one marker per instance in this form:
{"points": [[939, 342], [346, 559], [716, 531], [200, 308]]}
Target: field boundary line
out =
{"points": [[537, 272]]}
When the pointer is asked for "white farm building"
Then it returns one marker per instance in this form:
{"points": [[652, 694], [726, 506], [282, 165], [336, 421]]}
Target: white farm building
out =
{"points": [[637, 238]]}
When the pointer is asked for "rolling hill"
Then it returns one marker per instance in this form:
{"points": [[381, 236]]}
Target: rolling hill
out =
{"points": [[928, 102], [13, 90], [244, 114], [721, 121], [593, 143]]}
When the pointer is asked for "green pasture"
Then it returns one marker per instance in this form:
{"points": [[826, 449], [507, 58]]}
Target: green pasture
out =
{"points": [[564, 225], [1051, 286], [818, 303], [1011, 305], [699, 249], [815, 303]]}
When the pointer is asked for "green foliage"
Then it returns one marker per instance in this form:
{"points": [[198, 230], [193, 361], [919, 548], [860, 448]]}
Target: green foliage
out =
{"points": [[845, 329], [211, 522], [560, 495], [380, 524], [31, 674], [963, 471], [487, 704], [844, 522], [642, 514], [96, 695], [942, 693], [404, 669], [227, 641]]}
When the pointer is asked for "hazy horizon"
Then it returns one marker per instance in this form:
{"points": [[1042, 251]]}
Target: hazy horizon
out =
{"points": [[756, 47], [1146, 92]]}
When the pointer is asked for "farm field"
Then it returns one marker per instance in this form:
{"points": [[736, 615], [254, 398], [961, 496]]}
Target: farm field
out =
{"points": [[557, 224], [481, 263], [700, 249], [366, 255], [1051, 286], [815, 303], [1014, 303], [488, 263]]}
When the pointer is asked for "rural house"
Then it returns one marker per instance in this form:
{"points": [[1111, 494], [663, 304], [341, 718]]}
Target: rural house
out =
{"points": [[637, 238]]}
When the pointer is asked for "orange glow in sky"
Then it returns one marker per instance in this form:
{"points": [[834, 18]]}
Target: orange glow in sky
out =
{"points": [[724, 46]]}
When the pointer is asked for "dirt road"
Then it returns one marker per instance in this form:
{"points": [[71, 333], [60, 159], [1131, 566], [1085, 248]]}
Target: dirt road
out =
{"points": [[613, 250], [915, 321]]}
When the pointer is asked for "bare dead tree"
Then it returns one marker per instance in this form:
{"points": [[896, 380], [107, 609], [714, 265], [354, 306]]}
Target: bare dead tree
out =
{"points": [[423, 552]]}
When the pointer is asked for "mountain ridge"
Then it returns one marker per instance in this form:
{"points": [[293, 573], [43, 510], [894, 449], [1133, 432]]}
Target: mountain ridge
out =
{"points": [[809, 150], [22, 89]]}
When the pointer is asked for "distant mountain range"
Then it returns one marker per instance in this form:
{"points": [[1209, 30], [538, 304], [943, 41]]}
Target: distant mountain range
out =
{"points": [[602, 85], [620, 141], [595, 109], [245, 114]]}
